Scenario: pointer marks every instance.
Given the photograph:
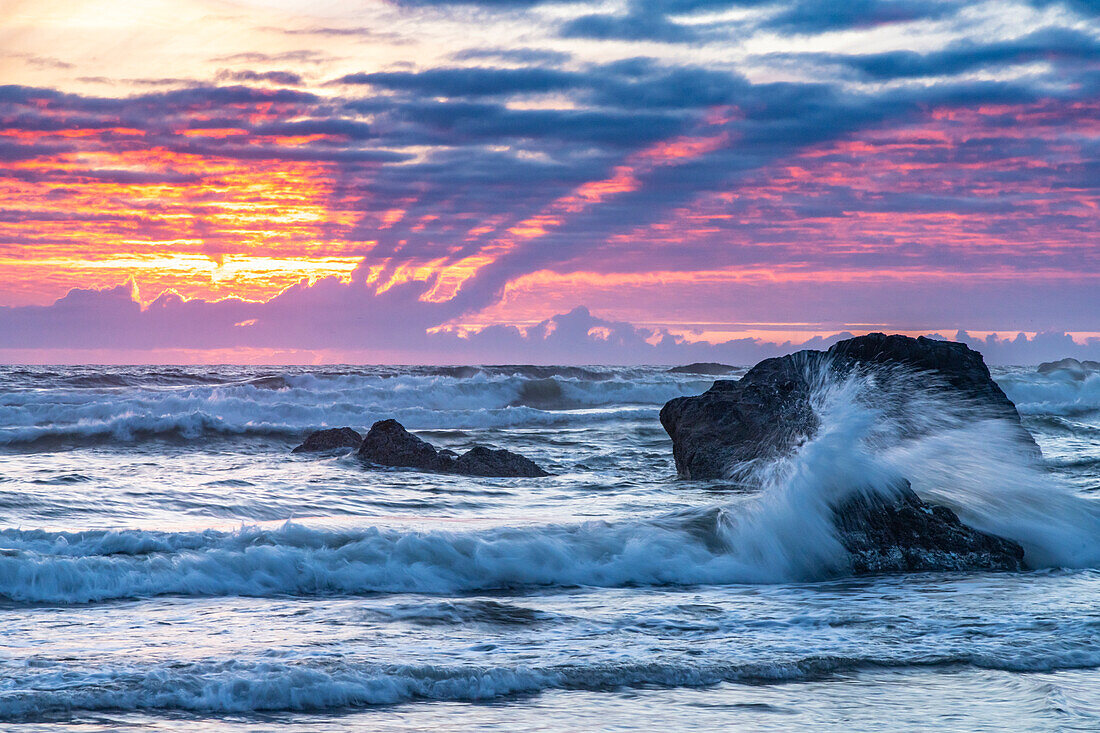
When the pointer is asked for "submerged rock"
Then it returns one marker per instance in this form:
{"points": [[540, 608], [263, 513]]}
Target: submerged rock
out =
{"points": [[736, 425], [389, 444], [903, 533], [708, 368], [330, 439]]}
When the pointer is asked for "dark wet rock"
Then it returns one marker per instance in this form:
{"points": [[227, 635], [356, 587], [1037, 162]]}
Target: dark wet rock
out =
{"points": [[768, 412], [1079, 370], [708, 368], [904, 533], [389, 444], [330, 439], [482, 461]]}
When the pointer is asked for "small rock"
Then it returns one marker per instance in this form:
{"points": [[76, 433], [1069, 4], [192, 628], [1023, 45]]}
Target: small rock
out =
{"points": [[389, 444], [482, 461], [709, 368], [330, 439]]}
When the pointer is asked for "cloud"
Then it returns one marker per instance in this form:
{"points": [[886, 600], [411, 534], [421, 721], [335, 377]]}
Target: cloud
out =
{"points": [[300, 56], [655, 20], [356, 32], [636, 25], [1052, 45], [502, 160], [468, 82], [286, 78], [538, 56], [332, 316]]}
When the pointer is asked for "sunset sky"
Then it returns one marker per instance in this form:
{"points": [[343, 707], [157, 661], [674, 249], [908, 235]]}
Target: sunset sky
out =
{"points": [[406, 180]]}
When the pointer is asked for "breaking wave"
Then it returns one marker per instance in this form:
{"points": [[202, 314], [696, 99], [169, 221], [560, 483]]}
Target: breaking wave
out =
{"points": [[291, 404], [218, 686], [782, 532], [1055, 393], [777, 527]]}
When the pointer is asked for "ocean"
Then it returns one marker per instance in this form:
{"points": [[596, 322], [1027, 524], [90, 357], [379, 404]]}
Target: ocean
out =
{"points": [[166, 562]]}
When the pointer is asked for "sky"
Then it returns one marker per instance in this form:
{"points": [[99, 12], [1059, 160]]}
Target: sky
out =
{"points": [[617, 181]]}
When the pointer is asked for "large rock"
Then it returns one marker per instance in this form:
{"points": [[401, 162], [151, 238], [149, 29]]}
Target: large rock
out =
{"points": [[330, 439], [737, 425], [389, 444], [768, 411]]}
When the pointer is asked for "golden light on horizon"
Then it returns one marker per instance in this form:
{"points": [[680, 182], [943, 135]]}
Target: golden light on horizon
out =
{"points": [[232, 228]]}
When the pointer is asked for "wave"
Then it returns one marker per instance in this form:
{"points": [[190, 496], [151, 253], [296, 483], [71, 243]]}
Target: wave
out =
{"points": [[1055, 393], [106, 377], [82, 567], [327, 684], [135, 427], [292, 404], [870, 439], [952, 453]]}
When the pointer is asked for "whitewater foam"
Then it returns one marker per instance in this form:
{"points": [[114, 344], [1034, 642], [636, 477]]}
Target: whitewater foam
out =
{"points": [[289, 405], [1055, 393]]}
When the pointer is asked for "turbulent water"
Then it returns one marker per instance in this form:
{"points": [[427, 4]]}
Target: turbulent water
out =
{"points": [[166, 562]]}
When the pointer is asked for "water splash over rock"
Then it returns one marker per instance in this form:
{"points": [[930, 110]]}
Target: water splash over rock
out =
{"points": [[744, 430]]}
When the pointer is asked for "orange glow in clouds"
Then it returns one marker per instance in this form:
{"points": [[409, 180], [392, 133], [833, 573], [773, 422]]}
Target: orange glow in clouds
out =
{"points": [[205, 227]]}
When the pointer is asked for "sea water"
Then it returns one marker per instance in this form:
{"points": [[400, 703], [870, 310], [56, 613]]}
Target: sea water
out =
{"points": [[167, 563]]}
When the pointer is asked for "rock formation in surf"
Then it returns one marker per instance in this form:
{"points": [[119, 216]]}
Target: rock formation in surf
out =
{"points": [[1079, 370], [769, 412], [708, 368], [330, 439], [389, 444]]}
